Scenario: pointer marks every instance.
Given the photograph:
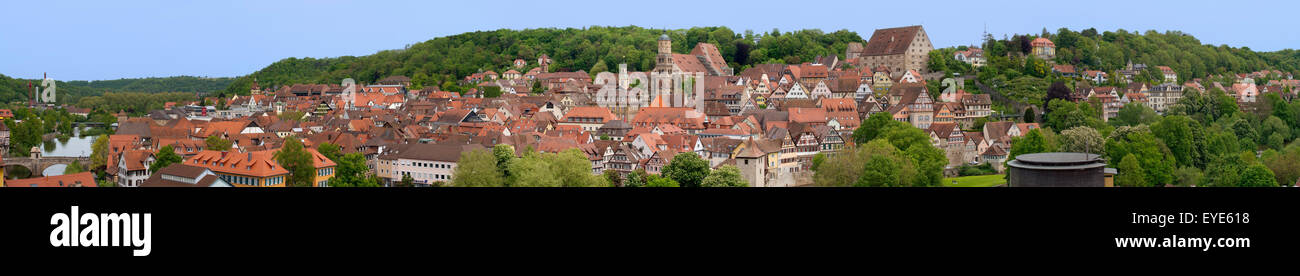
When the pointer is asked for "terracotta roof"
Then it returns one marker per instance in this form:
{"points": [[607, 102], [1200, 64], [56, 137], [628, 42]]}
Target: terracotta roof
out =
{"points": [[834, 105], [652, 116], [253, 163], [710, 57], [807, 115], [590, 112], [83, 179], [998, 129], [995, 150], [750, 149], [1026, 127], [943, 129], [813, 71], [1064, 68], [1042, 42], [135, 159], [689, 63], [891, 41], [976, 99]]}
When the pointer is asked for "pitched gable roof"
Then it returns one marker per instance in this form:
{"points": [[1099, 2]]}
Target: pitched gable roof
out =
{"points": [[891, 41]]}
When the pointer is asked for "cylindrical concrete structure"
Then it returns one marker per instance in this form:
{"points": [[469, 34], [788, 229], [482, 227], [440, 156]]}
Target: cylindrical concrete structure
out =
{"points": [[1056, 169]]}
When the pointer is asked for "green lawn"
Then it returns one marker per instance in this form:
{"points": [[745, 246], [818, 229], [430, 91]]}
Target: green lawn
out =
{"points": [[976, 181]]}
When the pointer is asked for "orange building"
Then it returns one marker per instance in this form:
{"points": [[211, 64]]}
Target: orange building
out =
{"points": [[258, 168]]}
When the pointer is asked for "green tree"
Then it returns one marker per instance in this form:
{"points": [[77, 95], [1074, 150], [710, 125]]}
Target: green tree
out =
{"points": [[817, 161], [569, 168], [574, 169], [656, 181], [1248, 137], [491, 91], [537, 88], [930, 162], [1285, 164], [329, 150], [504, 154], [166, 156], [407, 181], [726, 176], [291, 115], [99, 152], [1032, 142], [903, 136], [1036, 67], [872, 127], [477, 168], [938, 62], [1135, 113], [1157, 161], [638, 178], [1187, 176], [1185, 138], [1223, 171], [881, 171], [350, 171], [1082, 139], [613, 178], [686, 169], [1221, 143], [1257, 176], [1130, 173], [1066, 114], [1275, 141], [597, 68], [847, 167], [73, 168], [214, 142], [292, 157], [1275, 125]]}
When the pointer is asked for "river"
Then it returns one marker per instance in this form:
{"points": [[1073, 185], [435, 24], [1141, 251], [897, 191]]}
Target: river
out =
{"points": [[71, 147]]}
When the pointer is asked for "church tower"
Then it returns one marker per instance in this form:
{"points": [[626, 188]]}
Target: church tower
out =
{"points": [[661, 79], [664, 64]]}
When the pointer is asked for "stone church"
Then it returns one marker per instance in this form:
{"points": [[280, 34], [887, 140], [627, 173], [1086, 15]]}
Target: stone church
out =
{"points": [[676, 81]]}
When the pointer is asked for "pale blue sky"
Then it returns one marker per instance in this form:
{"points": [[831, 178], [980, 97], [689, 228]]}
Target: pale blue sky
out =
{"points": [[95, 40]]}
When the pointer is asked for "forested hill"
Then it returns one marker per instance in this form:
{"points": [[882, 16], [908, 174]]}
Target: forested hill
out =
{"points": [[1112, 50], [155, 85], [449, 58], [15, 90]]}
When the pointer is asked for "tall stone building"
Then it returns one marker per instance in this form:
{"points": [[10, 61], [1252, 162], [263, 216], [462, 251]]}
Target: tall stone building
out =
{"points": [[704, 58], [898, 49], [677, 80]]}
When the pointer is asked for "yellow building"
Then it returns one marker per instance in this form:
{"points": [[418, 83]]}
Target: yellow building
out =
{"points": [[1043, 48], [258, 168]]}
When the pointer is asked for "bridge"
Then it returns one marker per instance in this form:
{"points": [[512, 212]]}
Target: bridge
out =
{"points": [[38, 164], [89, 124]]}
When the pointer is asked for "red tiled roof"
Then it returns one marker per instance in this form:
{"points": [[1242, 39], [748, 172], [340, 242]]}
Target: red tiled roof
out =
{"points": [[680, 116], [590, 112], [1042, 42], [891, 41], [83, 179], [807, 115]]}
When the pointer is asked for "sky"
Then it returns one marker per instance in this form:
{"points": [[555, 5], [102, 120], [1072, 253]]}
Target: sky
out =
{"points": [[101, 40]]}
